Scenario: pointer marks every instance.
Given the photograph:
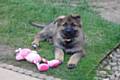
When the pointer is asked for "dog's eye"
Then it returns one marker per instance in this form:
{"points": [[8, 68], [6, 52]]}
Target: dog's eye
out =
{"points": [[73, 24], [64, 24]]}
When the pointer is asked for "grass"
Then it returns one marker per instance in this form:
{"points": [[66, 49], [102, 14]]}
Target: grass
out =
{"points": [[16, 31]]}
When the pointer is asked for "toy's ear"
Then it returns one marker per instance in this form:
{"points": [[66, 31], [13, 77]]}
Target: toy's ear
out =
{"points": [[18, 50]]}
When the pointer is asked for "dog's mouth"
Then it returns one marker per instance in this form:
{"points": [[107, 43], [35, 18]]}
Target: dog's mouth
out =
{"points": [[67, 40], [68, 36]]}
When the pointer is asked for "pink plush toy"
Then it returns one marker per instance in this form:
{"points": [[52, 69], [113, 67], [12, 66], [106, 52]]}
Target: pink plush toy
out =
{"points": [[53, 63], [35, 58]]}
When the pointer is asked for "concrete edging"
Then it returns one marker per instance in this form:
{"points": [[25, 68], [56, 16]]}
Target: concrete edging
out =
{"points": [[27, 72]]}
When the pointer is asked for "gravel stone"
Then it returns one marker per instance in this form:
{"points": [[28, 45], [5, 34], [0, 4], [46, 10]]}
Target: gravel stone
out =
{"points": [[115, 68], [113, 64], [102, 74], [118, 51], [108, 67], [105, 62]]}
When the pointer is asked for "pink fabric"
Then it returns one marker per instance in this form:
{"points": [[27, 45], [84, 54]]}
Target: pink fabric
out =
{"points": [[54, 63], [43, 67], [25, 52], [22, 54]]}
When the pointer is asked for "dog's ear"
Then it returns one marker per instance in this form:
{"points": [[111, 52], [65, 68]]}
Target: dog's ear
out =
{"points": [[59, 19], [76, 17]]}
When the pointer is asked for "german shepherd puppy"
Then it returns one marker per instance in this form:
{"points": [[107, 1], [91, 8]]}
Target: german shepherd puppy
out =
{"points": [[67, 36]]}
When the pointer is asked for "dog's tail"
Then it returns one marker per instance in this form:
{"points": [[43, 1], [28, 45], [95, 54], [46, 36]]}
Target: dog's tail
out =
{"points": [[37, 24]]}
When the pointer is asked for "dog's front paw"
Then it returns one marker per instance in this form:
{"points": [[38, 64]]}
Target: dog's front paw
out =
{"points": [[35, 45], [71, 66]]}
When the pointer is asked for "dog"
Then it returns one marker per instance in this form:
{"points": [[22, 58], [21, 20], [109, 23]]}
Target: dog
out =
{"points": [[67, 36]]}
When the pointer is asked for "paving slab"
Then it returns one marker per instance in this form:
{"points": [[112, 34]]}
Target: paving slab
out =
{"points": [[11, 75]]}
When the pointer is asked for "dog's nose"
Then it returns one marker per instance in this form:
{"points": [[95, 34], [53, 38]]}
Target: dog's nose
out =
{"points": [[68, 30]]}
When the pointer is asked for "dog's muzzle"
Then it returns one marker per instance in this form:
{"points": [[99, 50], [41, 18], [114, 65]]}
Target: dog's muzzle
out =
{"points": [[69, 32]]}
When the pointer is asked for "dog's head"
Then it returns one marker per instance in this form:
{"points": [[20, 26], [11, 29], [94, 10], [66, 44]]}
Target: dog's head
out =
{"points": [[69, 26]]}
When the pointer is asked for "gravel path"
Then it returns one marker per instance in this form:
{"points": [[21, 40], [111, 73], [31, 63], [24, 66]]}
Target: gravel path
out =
{"points": [[109, 67], [108, 9]]}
